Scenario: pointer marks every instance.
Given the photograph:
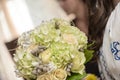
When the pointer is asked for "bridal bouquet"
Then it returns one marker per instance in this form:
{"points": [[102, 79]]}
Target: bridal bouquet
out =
{"points": [[55, 50]]}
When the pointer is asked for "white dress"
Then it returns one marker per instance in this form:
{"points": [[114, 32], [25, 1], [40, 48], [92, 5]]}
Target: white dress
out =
{"points": [[109, 62]]}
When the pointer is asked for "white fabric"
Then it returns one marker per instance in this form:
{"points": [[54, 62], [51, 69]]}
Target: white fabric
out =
{"points": [[27, 14], [109, 63], [7, 66]]}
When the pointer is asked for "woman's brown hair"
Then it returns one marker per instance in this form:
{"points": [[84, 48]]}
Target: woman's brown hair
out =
{"points": [[99, 12]]}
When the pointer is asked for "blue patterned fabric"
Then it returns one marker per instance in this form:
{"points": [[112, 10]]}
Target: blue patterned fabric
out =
{"points": [[115, 51], [109, 55]]}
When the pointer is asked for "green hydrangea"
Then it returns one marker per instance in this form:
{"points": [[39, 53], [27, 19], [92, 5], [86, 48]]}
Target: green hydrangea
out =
{"points": [[54, 43]]}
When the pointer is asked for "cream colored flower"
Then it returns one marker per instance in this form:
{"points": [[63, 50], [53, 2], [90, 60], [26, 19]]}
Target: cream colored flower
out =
{"points": [[45, 77], [45, 56], [78, 63], [70, 38], [60, 74]]}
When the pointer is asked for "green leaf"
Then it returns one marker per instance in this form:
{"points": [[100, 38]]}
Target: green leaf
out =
{"points": [[88, 54], [91, 44], [76, 76]]}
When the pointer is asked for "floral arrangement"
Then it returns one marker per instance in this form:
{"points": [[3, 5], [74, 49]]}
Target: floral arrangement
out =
{"points": [[55, 50]]}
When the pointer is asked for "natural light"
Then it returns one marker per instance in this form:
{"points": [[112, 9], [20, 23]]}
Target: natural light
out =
{"points": [[20, 15]]}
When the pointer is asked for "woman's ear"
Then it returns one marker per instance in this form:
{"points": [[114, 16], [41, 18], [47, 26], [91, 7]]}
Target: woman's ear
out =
{"points": [[71, 17]]}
